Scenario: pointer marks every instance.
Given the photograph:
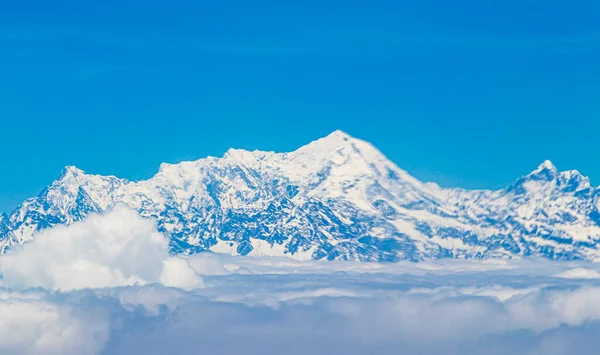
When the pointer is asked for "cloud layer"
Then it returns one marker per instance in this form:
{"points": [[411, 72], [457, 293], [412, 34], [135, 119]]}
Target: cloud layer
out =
{"points": [[107, 286]]}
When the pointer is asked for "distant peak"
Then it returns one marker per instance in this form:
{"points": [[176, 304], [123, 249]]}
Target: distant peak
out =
{"points": [[70, 171], [332, 143], [334, 139], [235, 151], [241, 154], [339, 134], [545, 166], [545, 172]]}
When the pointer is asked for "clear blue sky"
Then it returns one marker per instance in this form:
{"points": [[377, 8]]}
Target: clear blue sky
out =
{"points": [[464, 93]]}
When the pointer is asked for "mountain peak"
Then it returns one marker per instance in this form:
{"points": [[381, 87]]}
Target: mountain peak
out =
{"points": [[546, 165], [338, 137], [330, 143], [334, 139], [70, 171], [338, 134]]}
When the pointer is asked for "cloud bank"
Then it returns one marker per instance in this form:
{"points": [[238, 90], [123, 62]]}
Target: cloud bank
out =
{"points": [[107, 286], [118, 248]]}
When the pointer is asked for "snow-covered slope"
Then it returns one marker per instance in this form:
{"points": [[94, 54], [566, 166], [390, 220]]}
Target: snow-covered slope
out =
{"points": [[335, 198]]}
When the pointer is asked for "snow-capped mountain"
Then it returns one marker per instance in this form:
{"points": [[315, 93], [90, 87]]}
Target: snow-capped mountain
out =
{"points": [[335, 198]]}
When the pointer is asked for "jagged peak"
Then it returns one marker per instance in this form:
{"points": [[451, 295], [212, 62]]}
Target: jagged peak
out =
{"points": [[70, 171], [549, 169], [243, 154], [574, 179], [572, 174], [549, 176], [544, 172], [71, 175], [547, 165]]}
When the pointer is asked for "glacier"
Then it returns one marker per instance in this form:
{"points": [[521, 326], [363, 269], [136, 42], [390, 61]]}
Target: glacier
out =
{"points": [[337, 198]]}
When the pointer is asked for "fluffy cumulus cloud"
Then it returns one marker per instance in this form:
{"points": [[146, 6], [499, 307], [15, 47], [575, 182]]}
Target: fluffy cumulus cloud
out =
{"points": [[138, 299], [118, 248]]}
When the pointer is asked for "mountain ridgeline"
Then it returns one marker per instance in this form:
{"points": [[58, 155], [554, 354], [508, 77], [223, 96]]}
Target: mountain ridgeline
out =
{"points": [[337, 198]]}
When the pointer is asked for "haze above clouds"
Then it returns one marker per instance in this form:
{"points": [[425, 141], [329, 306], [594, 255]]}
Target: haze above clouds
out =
{"points": [[106, 285]]}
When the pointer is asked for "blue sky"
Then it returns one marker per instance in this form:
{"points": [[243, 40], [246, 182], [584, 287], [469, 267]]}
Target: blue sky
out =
{"points": [[464, 93]]}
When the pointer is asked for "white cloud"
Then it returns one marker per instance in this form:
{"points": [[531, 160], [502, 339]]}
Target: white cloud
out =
{"points": [[114, 249], [178, 273], [579, 273]]}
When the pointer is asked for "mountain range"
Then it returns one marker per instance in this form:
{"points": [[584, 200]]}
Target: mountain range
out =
{"points": [[337, 198]]}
